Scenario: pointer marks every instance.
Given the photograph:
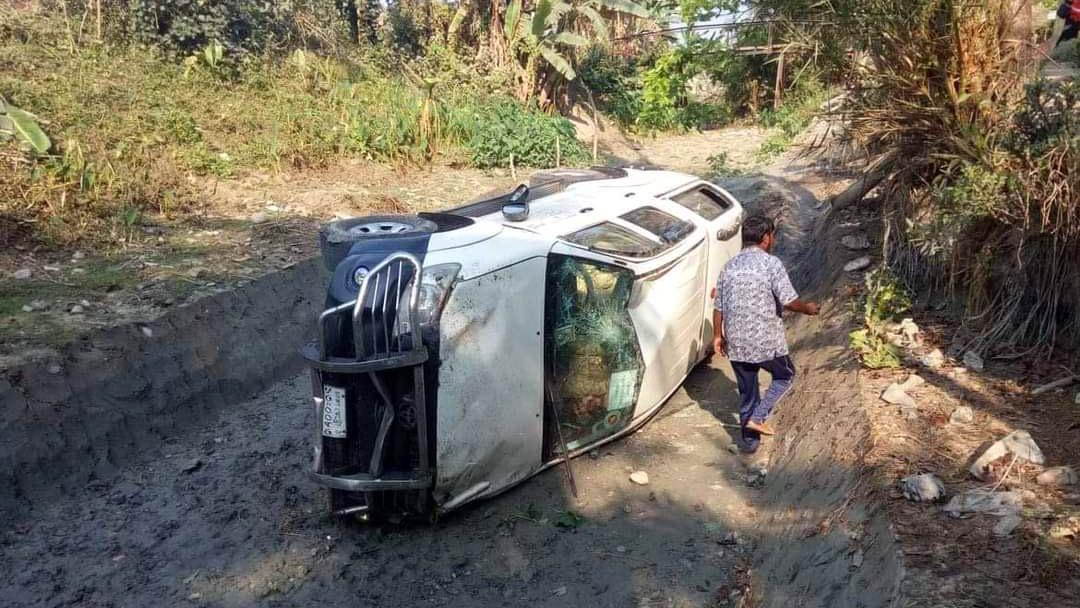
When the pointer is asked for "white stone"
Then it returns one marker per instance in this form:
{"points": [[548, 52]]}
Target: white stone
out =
{"points": [[28, 308], [910, 331], [641, 478], [962, 415], [78, 255], [259, 217], [855, 242], [985, 501], [1017, 443], [857, 264], [895, 395], [973, 361], [933, 359], [1058, 476], [913, 381], [1007, 524], [926, 487], [22, 274], [85, 303], [75, 310], [146, 331]]}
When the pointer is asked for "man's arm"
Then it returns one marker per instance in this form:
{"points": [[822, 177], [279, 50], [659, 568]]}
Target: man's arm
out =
{"points": [[804, 307], [719, 337]]}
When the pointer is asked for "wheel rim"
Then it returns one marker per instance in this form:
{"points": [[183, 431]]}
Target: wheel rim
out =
{"points": [[385, 227]]}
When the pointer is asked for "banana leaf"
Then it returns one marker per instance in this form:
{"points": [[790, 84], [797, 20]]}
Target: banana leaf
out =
{"points": [[558, 62], [625, 6], [28, 130]]}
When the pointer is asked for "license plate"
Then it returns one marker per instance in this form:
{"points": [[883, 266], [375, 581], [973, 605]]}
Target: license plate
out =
{"points": [[333, 412]]}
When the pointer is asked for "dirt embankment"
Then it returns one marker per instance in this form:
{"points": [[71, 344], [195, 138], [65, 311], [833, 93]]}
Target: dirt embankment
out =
{"points": [[75, 415]]}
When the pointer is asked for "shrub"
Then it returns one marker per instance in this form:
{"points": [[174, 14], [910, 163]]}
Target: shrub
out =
{"points": [[186, 26], [503, 128]]}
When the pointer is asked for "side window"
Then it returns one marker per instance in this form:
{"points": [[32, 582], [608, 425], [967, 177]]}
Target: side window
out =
{"points": [[668, 229], [613, 239], [704, 202]]}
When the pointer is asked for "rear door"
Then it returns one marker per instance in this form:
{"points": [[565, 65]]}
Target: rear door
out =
{"points": [[721, 216]]}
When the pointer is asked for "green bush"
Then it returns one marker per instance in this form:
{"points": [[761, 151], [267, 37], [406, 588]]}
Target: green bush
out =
{"points": [[186, 26], [503, 128]]}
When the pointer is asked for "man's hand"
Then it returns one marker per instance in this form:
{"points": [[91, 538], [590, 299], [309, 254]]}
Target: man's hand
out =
{"points": [[720, 345], [806, 308]]}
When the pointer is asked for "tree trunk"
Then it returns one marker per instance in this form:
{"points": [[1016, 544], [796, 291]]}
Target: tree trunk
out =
{"points": [[500, 46]]}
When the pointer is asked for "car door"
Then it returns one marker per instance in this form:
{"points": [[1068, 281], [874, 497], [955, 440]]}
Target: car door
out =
{"points": [[669, 286], [721, 215]]}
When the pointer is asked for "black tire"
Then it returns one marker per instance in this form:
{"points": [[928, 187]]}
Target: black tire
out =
{"points": [[337, 238]]}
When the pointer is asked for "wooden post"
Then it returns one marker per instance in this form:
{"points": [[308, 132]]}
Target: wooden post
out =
{"points": [[778, 93]]}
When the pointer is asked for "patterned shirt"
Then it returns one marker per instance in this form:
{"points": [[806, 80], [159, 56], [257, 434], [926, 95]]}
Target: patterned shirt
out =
{"points": [[751, 293]]}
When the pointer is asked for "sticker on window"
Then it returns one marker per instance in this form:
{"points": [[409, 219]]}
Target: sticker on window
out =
{"points": [[621, 390]]}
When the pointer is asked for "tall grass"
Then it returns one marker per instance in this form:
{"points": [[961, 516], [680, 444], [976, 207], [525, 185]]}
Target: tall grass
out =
{"points": [[982, 169]]}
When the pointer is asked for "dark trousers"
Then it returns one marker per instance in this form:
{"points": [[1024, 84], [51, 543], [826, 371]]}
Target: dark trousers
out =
{"points": [[751, 404]]}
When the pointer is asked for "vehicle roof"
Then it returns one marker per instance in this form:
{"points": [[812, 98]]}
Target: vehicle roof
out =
{"points": [[588, 203]]}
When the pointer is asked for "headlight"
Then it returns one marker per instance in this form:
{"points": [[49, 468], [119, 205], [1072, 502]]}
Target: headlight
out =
{"points": [[435, 284], [359, 275]]}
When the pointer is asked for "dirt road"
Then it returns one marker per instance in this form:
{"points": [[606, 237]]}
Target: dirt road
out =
{"points": [[224, 516]]}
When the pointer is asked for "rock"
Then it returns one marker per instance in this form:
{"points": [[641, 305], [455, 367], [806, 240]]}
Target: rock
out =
{"points": [[1017, 443], [22, 274], [855, 242], [51, 268], [620, 549], [985, 501], [273, 208], [54, 368], [559, 591], [910, 331], [913, 381], [1077, 399], [641, 478], [895, 395], [192, 465], [926, 487], [1058, 476], [962, 415], [973, 361], [259, 217], [85, 303], [857, 558], [78, 271], [1007, 524], [78, 255], [909, 412], [77, 310], [39, 304], [1066, 528], [146, 331], [28, 308], [857, 264]]}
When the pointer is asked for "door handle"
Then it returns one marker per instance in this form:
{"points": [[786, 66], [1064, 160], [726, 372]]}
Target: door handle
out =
{"points": [[727, 233]]}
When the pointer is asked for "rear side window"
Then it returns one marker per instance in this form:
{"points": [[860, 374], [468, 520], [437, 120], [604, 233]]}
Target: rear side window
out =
{"points": [[610, 238], [704, 202], [667, 228]]}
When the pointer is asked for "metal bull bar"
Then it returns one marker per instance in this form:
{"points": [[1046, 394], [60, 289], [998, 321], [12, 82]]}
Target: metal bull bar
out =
{"points": [[382, 340]]}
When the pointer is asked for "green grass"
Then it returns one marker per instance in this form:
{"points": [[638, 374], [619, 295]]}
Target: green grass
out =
{"points": [[135, 131]]}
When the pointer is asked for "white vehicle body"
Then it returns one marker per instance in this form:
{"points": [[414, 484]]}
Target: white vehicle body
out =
{"points": [[517, 369]]}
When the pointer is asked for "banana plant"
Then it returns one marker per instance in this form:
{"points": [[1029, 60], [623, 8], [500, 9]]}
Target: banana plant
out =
{"points": [[543, 34], [23, 127]]}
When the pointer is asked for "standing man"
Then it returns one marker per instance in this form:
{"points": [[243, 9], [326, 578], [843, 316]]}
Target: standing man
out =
{"points": [[751, 294], [1066, 28]]}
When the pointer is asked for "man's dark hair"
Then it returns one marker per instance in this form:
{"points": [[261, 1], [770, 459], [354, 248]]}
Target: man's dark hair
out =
{"points": [[755, 228]]}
